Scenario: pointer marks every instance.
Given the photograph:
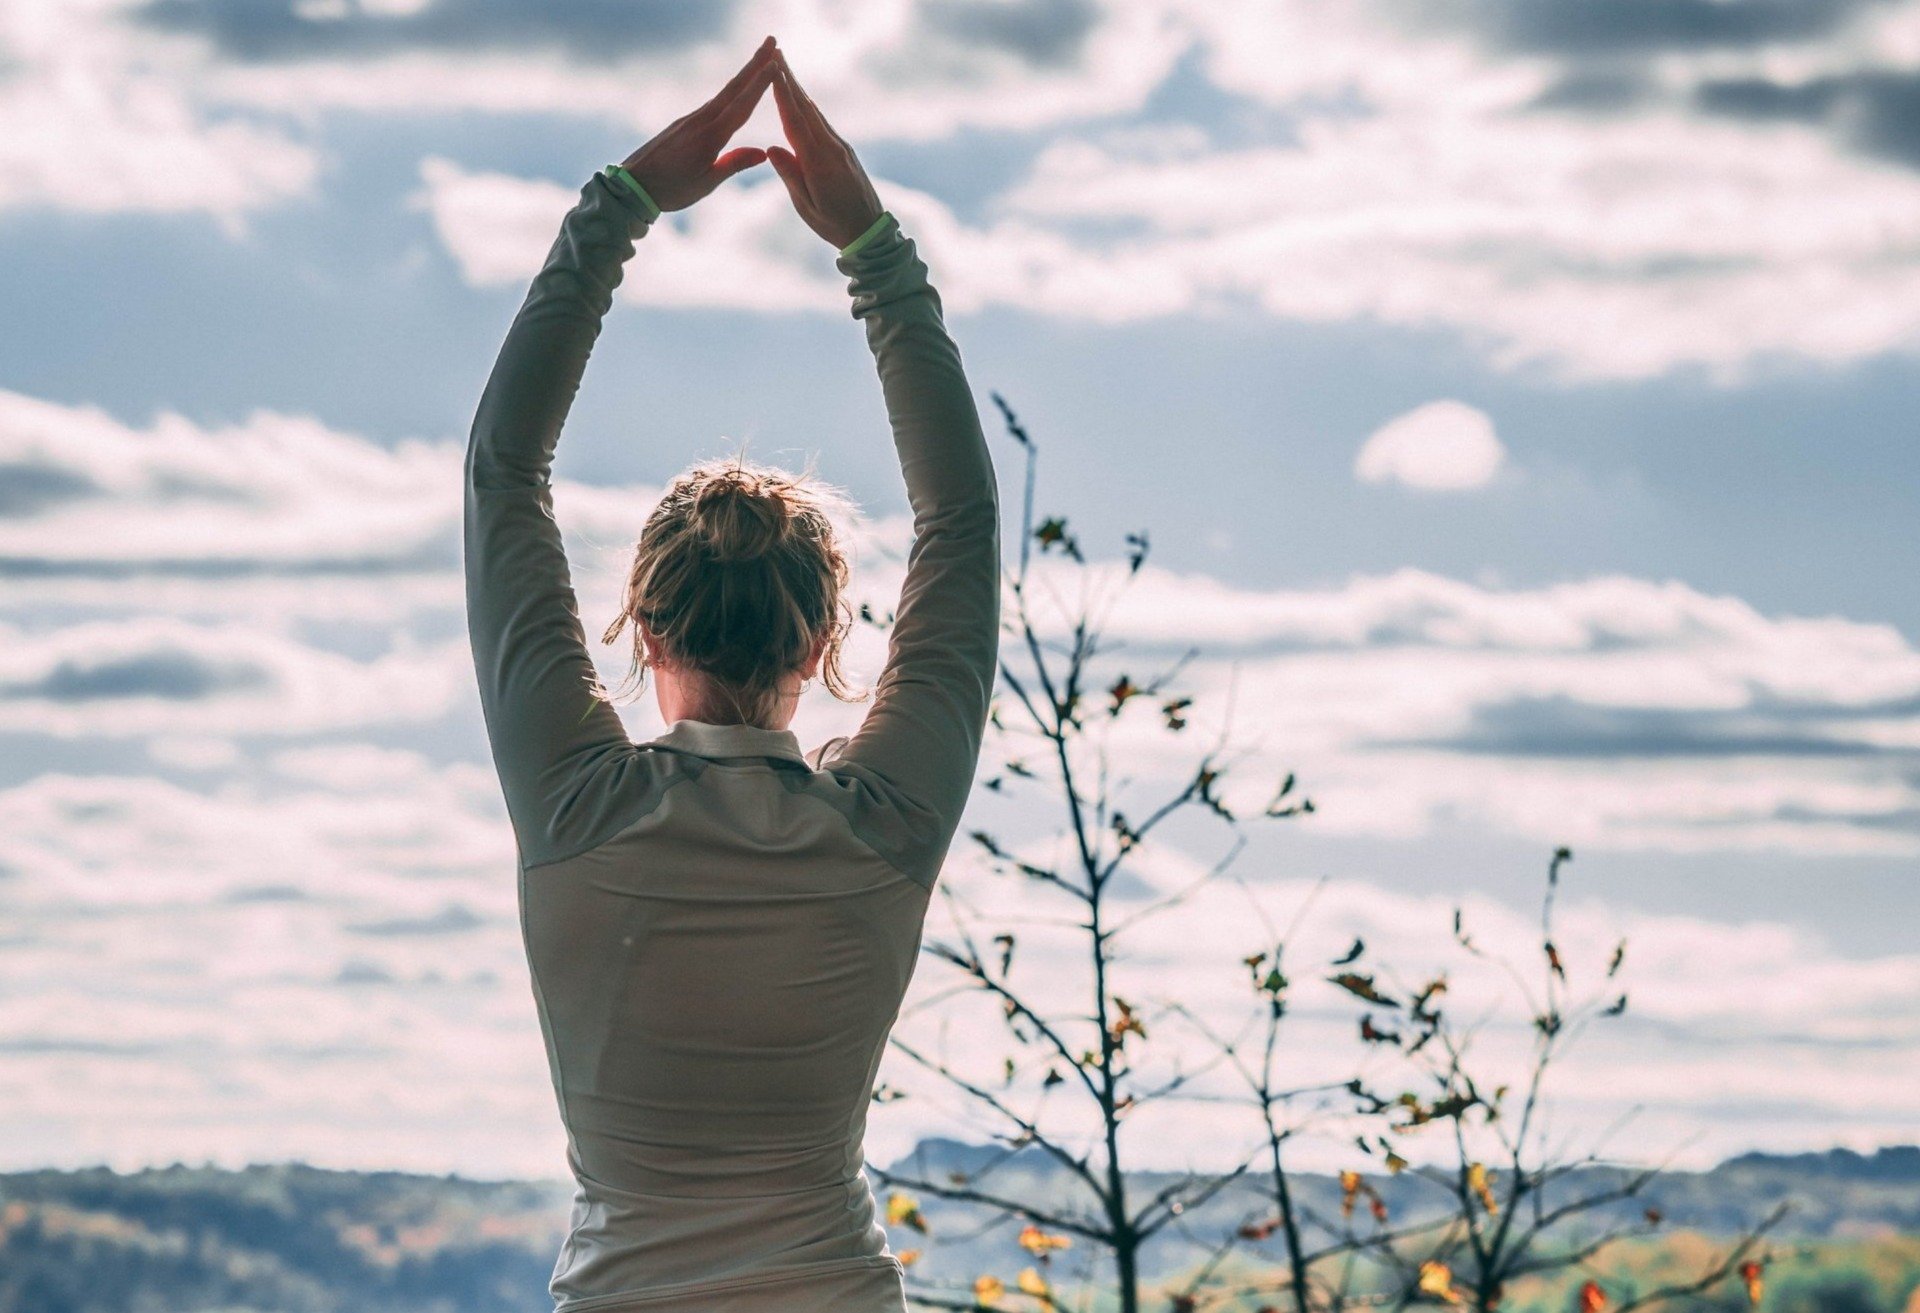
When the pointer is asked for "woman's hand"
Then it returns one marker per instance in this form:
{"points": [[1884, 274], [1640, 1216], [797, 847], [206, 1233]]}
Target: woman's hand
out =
{"points": [[683, 162], [829, 188]]}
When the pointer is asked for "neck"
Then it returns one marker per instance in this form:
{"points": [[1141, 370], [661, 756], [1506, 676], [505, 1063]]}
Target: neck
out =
{"points": [[689, 695]]}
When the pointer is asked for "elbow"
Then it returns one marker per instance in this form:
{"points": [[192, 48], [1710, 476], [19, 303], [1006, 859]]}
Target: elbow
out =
{"points": [[973, 520]]}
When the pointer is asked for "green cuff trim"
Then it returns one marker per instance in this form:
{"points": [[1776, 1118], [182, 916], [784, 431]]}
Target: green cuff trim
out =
{"points": [[615, 171], [853, 247]]}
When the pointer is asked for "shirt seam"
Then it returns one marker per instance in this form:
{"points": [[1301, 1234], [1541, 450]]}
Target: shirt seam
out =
{"points": [[853, 830], [650, 807], [865, 842]]}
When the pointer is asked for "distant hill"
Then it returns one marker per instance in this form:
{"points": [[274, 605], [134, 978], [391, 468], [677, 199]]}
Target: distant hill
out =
{"points": [[295, 1239]]}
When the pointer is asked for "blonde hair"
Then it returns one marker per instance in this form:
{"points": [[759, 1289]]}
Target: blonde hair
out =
{"points": [[737, 574]]}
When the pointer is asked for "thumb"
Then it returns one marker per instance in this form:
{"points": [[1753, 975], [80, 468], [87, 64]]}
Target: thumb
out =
{"points": [[735, 161], [788, 168]]}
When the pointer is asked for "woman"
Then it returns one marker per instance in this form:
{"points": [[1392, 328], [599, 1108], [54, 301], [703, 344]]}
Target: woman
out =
{"points": [[720, 928]]}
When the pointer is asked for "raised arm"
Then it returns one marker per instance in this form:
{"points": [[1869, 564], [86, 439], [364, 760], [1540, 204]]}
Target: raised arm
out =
{"points": [[920, 741], [558, 747]]}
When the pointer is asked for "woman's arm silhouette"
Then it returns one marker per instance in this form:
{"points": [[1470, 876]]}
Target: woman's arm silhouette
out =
{"points": [[921, 739], [558, 746]]}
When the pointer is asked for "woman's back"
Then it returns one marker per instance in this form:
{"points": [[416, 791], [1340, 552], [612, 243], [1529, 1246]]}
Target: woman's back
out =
{"points": [[716, 983]]}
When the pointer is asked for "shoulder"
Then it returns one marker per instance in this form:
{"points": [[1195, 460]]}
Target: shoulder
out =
{"points": [[602, 795], [909, 837]]}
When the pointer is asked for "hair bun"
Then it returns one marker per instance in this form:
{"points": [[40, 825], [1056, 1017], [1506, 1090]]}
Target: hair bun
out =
{"points": [[738, 517]]}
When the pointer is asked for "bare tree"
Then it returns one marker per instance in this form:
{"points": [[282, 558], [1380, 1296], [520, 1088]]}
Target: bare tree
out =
{"points": [[1080, 1066], [1513, 1203], [1082, 1059]]}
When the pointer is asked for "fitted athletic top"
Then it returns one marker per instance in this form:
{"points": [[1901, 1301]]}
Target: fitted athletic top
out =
{"points": [[721, 927]]}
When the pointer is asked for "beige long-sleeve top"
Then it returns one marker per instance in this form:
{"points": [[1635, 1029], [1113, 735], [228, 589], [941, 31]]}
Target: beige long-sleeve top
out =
{"points": [[721, 927]]}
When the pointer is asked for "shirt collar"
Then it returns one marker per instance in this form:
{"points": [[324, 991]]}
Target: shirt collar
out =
{"points": [[696, 738]]}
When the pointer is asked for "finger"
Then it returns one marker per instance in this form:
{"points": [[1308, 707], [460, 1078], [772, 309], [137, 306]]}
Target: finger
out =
{"points": [[793, 116], [739, 79], [790, 173], [734, 161], [739, 109], [818, 121]]}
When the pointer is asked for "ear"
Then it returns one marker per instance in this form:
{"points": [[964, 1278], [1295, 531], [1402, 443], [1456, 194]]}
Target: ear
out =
{"points": [[811, 666], [655, 654]]}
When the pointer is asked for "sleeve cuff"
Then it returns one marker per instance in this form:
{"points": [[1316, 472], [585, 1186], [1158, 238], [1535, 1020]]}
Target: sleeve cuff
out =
{"points": [[627, 180], [874, 230]]}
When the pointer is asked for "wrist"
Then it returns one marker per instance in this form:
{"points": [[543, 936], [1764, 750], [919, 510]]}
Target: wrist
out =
{"points": [[866, 237], [623, 178]]}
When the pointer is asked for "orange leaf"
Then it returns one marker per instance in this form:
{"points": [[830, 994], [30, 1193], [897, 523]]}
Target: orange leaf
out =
{"points": [[904, 1210], [1751, 1273], [1480, 1184], [1436, 1279], [1349, 1191], [1592, 1298], [1032, 1283], [1036, 1241], [988, 1290]]}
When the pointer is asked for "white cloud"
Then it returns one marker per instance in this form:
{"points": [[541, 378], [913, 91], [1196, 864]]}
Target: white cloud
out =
{"points": [[1405, 174], [291, 577], [1612, 249], [1622, 249], [89, 123], [1611, 712], [362, 892], [883, 72], [153, 675], [86, 490], [1445, 446], [362, 901], [1714, 1022], [747, 250]]}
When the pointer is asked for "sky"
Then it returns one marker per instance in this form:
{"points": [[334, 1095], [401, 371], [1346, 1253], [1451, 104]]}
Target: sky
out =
{"points": [[1516, 397]]}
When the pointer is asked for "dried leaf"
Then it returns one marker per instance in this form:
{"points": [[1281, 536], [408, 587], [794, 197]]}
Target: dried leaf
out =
{"points": [[1592, 1298], [1436, 1282], [1041, 1243], [1127, 1022], [904, 1210], [988, 1291], [1372, 1034], [1362, 987], [1481, 1184], [1053, 533], [1753, 1275]]}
